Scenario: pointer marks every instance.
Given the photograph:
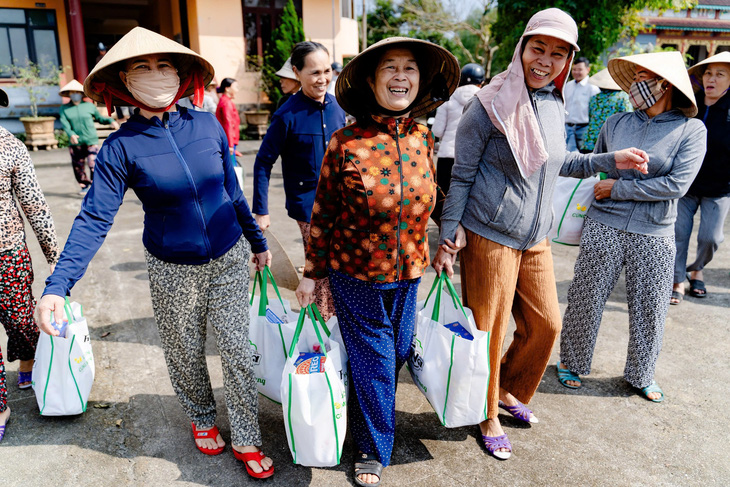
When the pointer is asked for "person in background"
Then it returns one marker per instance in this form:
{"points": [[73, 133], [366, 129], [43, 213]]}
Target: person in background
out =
{"points": [[710, 191], [77, 119], [101, 48], [445, 125], [19, 188], [299, 132], [227, 114], [510, 151], [578, 93], [210, 101], [336, 70], [631, 224], [612, 99], [374, 197], [288, 82], [198, 232]]}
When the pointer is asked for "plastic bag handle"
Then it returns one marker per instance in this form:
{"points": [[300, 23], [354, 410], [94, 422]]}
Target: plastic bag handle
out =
{"points": [[317, 315], [69, 311], [300, 325], [444, 279], [263, 277]]}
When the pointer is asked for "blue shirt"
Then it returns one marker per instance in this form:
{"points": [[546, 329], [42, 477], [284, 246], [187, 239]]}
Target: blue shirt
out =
{"points": [[194, 209], [299, 132]]}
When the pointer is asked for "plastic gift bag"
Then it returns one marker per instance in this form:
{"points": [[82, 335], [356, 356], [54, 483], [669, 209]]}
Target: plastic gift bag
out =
{"points": [[573, 197], [63, 372], [449, 359], [314, 397], [270, 332]]}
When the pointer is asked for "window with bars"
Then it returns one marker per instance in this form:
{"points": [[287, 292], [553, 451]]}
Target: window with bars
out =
{"points": [[28, 35], [260, 18]]}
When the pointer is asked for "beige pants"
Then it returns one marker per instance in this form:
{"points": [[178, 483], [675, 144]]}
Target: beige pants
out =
{"points": [[496, 281]]}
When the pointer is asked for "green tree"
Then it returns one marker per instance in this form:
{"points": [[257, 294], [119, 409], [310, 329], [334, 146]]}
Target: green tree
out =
{"points": [[287, 34], [601, 23], [384, 21]]}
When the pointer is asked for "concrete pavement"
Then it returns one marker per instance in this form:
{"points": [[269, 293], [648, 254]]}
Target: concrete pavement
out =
{"points": [[135, 433]]}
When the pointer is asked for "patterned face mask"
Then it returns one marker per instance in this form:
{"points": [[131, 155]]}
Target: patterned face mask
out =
{"points": [[644, 94]]}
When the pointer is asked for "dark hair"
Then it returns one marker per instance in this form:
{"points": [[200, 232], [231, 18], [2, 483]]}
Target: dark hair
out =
{"points": [[583, 60], [226, 83], [680, 100], [302, 50]]}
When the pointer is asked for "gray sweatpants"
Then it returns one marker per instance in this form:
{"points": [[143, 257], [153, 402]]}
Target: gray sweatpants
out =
{"points": [[604, 252], [184, 299], [709, 237]]}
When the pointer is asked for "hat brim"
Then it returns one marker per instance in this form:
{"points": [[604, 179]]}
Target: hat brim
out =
{"points": [[603, 80], [286, 73], [142, 42], [667, 65], [4, 99], [71, 87], [556, 33], [354, 93]]}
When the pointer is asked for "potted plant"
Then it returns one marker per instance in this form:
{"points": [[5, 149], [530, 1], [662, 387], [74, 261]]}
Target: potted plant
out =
{"points": [[35, 77], [257, 120]]}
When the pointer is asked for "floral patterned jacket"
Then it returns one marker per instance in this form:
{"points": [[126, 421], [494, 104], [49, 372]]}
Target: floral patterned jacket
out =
{"points": [[18, 181], [375, 194]]}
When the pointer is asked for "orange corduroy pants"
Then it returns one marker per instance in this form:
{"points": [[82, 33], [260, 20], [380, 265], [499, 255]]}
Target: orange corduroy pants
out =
{"points": [[497, 281]]}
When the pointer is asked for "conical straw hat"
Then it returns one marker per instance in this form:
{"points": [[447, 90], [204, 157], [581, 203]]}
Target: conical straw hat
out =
{"points": [[140, 42], [603, 80], [286, 71], [71, 86], [696, 71], [668, 65], [355, 96]]}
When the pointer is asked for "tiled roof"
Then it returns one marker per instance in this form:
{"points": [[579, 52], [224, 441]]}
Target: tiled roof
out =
{"points": [[714, 3], [683, 23]]}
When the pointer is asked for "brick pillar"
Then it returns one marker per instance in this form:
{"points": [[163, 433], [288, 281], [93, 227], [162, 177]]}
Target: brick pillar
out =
{"points": [[78, 42]]}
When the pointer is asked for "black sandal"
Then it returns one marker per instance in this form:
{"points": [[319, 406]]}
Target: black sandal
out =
{"points": [[368, 464], [697, 288]]}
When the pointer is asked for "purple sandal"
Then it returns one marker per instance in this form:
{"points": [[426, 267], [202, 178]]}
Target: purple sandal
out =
{"points": [[494, 443], [520, 411], [25, 378], [2, 429]]}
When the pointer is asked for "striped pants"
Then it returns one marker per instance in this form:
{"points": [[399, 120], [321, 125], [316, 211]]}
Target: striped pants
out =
{"points": [[185, 298], [649, 264]]}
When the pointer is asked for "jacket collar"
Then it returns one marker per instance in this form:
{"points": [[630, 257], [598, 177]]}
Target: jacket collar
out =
{"points": [[328, 99], [669, 116], [387, 124]]}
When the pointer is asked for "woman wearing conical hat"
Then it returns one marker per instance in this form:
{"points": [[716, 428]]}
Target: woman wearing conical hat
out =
{"points": [[631, 223], [77, 118], [710, 191], [197, 231]]}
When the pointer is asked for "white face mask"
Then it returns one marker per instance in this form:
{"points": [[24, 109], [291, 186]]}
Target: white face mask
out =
{"points": [[156, 89], [76, 97]]}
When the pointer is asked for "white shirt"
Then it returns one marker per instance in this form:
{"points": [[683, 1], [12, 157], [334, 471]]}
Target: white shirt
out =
{"points": [[331, 86], [577, 97]]}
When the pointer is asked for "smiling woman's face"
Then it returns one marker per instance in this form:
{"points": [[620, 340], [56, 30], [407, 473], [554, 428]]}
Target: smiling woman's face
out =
{"points": [[396, 80], [543, 59]]}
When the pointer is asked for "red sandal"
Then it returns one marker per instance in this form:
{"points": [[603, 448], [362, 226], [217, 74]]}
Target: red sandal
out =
{"points": [[254, 456], [203, 435]]}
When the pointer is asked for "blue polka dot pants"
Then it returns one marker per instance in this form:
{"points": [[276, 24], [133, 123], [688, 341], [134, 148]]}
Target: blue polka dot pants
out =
{"points": [[376, 321]]}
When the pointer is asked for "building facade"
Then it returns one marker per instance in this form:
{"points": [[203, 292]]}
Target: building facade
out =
{"points": [[67, 32]]}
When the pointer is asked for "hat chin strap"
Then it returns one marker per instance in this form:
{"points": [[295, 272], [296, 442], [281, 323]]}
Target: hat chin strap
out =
{"points": [[393, 113], [108, 92]]}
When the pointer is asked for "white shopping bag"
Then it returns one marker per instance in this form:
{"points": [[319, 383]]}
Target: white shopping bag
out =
{"points": [[450, 370], [270, 333], [571, 201], [63, 372], [332, 330], [314, 399], [239, 175]]}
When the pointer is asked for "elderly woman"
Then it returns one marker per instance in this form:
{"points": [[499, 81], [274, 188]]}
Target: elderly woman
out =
{"points": [[631, 223], [196, 226], [710, 191], [77, 119], [18, 181], [510, 150], [375, 194], [300, 131]]}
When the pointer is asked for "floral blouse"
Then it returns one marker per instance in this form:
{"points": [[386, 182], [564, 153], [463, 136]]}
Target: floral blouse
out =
{"points": [[602, 106], [17, 178], [375, 194]]}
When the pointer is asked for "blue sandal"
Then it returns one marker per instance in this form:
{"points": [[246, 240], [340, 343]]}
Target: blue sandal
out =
{"points": [[653, 387], [564, 375], [25, 378]]}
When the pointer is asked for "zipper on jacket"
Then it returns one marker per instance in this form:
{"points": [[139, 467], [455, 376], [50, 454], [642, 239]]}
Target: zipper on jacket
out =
{"points": [[192, 183], [400, 210], [536, 221]]}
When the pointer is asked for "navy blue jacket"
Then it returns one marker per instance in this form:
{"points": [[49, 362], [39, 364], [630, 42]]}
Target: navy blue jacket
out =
{"points": [[194, 209], [300, 131], [713, 180]]}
